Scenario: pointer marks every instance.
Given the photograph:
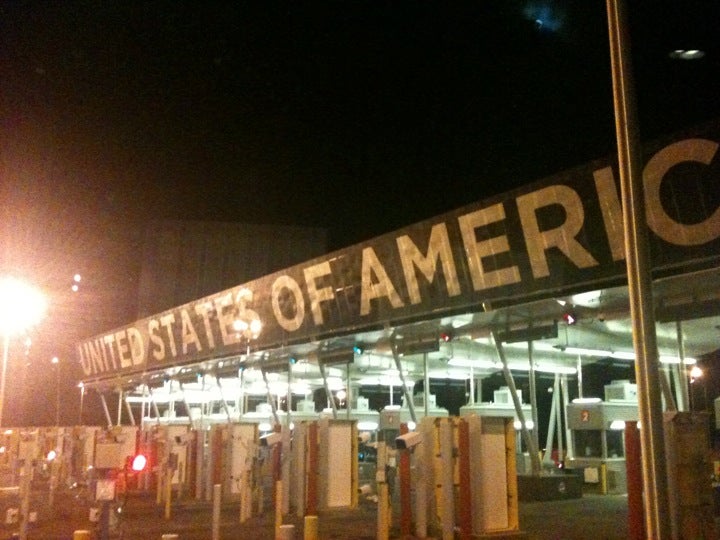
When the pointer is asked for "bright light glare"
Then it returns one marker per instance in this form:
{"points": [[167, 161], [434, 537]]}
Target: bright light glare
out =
{"points": [[21, 306], [687, 54]]}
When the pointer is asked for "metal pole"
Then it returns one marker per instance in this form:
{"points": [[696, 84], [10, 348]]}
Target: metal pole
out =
{"points": [[273, 407], [639, 280], [529, 441], [408, 395], [105, 409], [533, 397], [82, 402], [328, 394], [426, 384], [6, 350], [678, 371], [57, 393]]}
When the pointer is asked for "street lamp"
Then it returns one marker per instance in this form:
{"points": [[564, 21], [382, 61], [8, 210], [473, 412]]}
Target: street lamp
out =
{"points": [[21, 306]]}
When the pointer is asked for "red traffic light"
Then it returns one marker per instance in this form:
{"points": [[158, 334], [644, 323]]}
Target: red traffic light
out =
{"points": [[138, 463]]}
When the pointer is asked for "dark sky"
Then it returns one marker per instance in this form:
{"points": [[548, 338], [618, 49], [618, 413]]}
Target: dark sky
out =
{"points": [[360, 117]]}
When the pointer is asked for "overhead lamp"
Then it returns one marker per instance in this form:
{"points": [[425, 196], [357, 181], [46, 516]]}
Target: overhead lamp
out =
{"points": [[687, 54], [473, 363], [529, 424], [587, 400], [622, 355], [570, 318]]}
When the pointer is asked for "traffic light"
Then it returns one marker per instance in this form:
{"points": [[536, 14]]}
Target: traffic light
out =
{"points": [[139, 463]]}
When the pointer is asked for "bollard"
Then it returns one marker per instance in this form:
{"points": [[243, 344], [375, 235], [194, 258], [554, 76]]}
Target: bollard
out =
{"points": [[603, 479], [311, 528], [81, 535], [286, 532], [217, 492]]}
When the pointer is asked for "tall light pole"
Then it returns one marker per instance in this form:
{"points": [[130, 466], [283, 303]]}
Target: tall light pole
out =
{"points": [[56, 362], [654, 469], [21, 306]]}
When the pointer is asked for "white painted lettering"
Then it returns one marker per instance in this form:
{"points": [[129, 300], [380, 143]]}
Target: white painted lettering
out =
{"points": [[137, 347], [476, 251], [681, 234], [167, 322], [282, 284], [611, 211], [158, 351], [562, 237], [375, 283], [316, 295], [203, 309], [438, 248], [188, 334], [123, 349]]}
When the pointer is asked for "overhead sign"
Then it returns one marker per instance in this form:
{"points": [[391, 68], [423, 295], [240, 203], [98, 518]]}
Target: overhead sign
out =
{"points": [[546, 238]]}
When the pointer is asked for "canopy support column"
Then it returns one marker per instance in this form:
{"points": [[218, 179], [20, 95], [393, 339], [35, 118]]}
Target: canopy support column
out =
{"points": [[406, 393], [105, 409], [222, 398], [273, 406], [529, 442], [327, 390]]}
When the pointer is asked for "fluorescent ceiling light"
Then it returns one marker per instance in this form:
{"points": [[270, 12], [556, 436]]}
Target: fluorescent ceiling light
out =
{"points": [[479, 363], [587, 400]]}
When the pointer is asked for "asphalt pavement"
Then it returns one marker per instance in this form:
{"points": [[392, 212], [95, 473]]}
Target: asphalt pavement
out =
{"points": [[592, 516]]}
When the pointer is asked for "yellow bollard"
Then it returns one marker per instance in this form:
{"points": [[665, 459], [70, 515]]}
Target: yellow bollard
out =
{"points": [[311, 528], [81, 535]]}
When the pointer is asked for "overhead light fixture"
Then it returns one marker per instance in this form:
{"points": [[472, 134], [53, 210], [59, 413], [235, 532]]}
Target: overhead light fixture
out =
{"points": [[687, 54], [587, 400], [622, 355], [472, 363]]}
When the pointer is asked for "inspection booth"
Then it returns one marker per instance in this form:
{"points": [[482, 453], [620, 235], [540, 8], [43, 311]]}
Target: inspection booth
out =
{"points": [[597, 427]]}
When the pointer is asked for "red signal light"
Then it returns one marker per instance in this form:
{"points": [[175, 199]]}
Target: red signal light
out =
{"points": [[139, 463], [570, 318]]}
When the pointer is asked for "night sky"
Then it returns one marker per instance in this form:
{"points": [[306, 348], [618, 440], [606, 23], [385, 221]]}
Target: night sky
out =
{"points": [[360, 117]]}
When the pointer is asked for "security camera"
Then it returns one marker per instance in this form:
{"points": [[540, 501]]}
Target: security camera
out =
{"points": [[408, 440], [271, 439]]}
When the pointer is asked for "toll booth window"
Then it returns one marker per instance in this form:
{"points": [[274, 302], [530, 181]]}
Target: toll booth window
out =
{"points": [[615, 444], [588, 443]]}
